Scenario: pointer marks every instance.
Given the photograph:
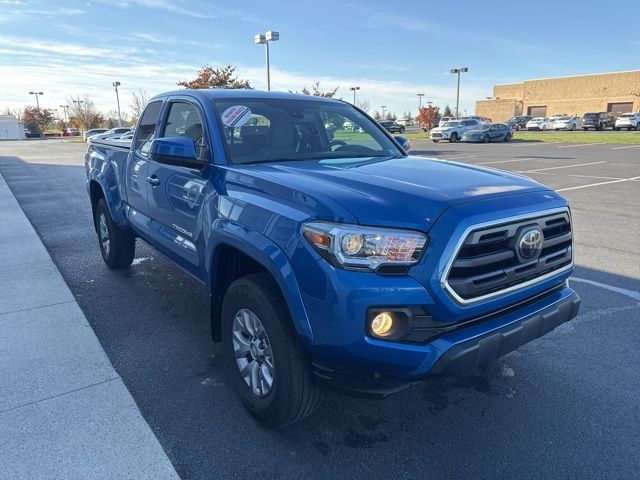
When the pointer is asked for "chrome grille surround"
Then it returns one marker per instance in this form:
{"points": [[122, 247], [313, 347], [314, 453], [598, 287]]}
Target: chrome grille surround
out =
{"points": [[515, 280]]}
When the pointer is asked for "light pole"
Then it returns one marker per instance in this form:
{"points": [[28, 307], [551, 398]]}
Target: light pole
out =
{"points": [[354, 93], [458, 71], [420, 95], [36, 94], [270, 36], [383, 107], [116, 85], [65, 112]]}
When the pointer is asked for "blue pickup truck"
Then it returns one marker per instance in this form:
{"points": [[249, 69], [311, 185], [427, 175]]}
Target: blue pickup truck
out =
{"points": [[331, 256]]}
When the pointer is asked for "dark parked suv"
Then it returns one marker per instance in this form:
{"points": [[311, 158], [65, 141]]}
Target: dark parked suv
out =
{"points": [[519, 122], [391, 126], [598, 121]]}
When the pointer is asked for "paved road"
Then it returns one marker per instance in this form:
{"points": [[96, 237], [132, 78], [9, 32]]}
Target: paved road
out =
{"points": [[564, 406]]}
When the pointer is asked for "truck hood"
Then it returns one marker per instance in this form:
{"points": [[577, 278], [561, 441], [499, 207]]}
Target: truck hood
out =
{"points": [[406, 192]]}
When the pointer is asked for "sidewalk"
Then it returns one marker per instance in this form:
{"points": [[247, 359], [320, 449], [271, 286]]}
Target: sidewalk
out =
{"points": [[64, 411]]}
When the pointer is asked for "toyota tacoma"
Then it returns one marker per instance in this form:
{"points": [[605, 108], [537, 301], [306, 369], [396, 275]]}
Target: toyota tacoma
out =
{"points": [[331, 259]]}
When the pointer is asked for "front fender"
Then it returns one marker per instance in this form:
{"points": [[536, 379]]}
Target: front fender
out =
{"points": [[271, 257]]}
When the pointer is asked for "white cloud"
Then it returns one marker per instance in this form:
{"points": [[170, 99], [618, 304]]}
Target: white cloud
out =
{"points": [[52, 47]]}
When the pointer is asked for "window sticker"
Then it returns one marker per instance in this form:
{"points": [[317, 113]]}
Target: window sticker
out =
{"points": [[236, 116]]}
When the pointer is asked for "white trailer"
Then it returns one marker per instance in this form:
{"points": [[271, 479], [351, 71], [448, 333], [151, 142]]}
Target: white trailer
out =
{"points": [[11, 128]]}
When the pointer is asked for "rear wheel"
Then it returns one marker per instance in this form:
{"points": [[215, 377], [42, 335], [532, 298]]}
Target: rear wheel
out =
{"points": [[573, 127], [486, 139], [507, 137], [116, 245], [267, 367], [453, 137], [544, 127]]}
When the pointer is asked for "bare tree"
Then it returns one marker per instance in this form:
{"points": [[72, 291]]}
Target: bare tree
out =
{"points": [[316, 92], [138, 101], [364, 105], [83, 113]]}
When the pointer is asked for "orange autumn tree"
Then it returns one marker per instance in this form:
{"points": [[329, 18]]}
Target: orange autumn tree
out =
{"points": [[428, 116], [209, 77]]}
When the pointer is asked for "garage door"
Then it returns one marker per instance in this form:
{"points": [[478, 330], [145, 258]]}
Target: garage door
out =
{"points": [[537, 111], [619, 108]]}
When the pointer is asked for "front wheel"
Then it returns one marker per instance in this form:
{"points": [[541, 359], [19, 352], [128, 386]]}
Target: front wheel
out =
{"points": [[486, 139], [507, 137], [268, 368], [116, 245], [453, 137], [435, 141], [544, 127]]}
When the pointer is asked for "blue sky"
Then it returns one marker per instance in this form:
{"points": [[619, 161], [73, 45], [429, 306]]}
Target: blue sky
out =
{"points": [[392, 50]]}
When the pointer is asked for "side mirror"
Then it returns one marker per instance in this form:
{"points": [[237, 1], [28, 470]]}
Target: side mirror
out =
{"points": [[403, 141], [178, 151]]}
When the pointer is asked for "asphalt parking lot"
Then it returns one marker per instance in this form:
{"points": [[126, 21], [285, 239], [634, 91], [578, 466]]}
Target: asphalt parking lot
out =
{"points": [[564, 406]]}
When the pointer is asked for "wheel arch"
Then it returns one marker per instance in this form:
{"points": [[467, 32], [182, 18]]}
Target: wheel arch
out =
{"points": [[239, 251]]}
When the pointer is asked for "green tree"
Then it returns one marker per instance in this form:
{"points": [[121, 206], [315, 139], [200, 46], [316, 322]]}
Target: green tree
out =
{"points": [[447, 112], [209, 77]]}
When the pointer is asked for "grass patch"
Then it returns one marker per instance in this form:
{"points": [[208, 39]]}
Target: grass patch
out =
{"points": [[73, 139], [558, 137], [578, 137]]}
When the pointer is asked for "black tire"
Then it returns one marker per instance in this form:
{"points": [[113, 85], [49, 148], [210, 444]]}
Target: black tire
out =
{"points": [[507, 137], [434, 140], [453, 138], [628, 129], [293, 394], [585, 129], [544, 127], [120, 246], [402, 130], [574, 127], [486, 139]]}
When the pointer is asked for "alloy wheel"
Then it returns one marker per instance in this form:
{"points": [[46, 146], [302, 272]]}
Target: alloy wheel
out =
{"points": [[252, 350], [105, 241]]}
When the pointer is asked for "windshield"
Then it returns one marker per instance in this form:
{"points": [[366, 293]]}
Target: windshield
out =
{"points": [[627, 115], [591, 116], [451, 124], [271, 130], [562, 119], [538, 119]]}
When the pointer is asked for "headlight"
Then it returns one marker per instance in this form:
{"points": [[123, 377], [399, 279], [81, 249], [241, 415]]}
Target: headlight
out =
{"points": [[365, 248]]}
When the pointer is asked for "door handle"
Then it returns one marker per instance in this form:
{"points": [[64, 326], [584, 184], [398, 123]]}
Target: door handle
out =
{"points": [[153, 180]]}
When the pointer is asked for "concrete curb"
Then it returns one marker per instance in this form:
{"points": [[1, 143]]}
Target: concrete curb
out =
{"points": [[64, 411]]}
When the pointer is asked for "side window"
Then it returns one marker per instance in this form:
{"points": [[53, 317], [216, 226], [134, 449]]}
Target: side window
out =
{"points": [[147, 127], [184, 121]]}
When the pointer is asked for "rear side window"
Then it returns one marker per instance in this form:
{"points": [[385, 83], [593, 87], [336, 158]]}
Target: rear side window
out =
{"points": [[147, 127]]}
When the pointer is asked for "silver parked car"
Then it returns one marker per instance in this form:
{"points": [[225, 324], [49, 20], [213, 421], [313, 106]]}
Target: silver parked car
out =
{"points": [[567, 123], [452, 130]]}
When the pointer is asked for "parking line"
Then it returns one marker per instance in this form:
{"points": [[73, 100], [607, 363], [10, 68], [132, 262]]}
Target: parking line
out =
{"points": [[507, 161], [532, 144], [581, 145], [623, 291], [596, 184], [563, 166], [593, 176], [628, 146]]}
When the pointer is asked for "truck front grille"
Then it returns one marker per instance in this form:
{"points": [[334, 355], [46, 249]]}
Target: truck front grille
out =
{"points": [[490, 260]]}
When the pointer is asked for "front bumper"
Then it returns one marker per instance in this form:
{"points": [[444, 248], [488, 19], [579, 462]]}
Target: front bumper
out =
{"points": [[462, 351]]}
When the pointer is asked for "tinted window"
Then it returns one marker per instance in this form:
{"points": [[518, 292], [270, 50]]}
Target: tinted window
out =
{"points": [[184, 121], [147, 127]]}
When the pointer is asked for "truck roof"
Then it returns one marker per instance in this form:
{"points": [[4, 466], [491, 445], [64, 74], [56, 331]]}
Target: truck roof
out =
{"points": [[222, 93]]}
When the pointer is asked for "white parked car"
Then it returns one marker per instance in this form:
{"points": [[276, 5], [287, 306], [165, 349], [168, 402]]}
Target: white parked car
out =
{"points": [[444, 120], [630, 121], [567, 123], [539, 123], [452, 130], [406, 122], [480, 120]]}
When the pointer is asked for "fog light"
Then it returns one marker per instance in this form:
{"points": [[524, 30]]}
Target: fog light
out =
{"points": [[381, 324]]}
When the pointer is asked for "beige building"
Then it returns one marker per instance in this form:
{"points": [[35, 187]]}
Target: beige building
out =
{"points": [[617, 92]]}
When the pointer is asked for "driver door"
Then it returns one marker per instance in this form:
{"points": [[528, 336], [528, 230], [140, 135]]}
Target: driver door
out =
{"points": [[176, 193]]}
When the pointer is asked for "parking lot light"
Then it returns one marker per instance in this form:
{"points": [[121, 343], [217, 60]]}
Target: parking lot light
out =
{"points": [[420, 95], [270, 36], [458, 71], [116, 85], [354, 93], [36, 94], [383, 107]]}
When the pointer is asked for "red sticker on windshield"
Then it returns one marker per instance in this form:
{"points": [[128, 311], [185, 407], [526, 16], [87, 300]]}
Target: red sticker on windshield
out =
{"points": [[236, 116]]}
